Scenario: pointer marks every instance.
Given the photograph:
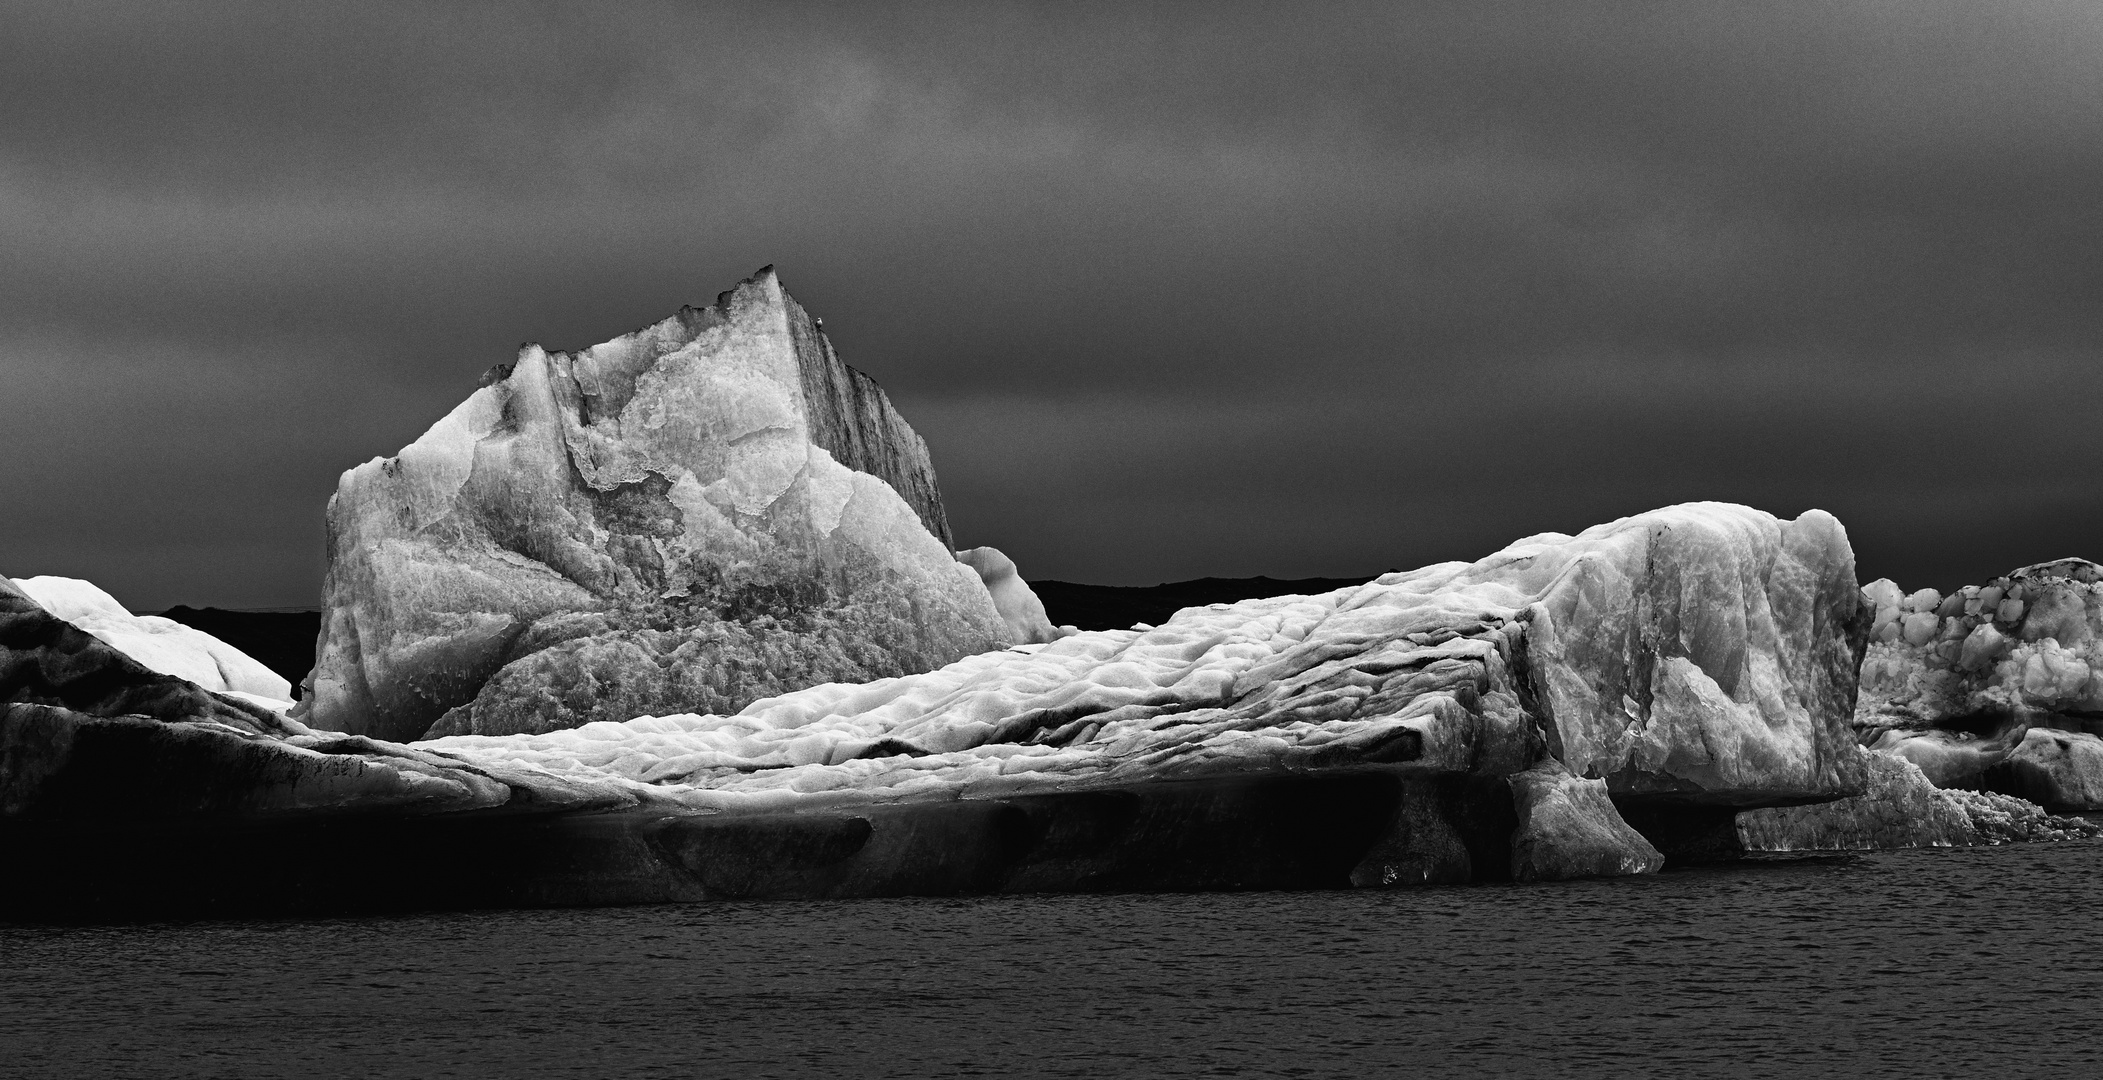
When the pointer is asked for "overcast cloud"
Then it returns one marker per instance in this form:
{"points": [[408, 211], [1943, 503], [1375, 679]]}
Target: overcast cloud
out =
{"points": [[1171, 291]]}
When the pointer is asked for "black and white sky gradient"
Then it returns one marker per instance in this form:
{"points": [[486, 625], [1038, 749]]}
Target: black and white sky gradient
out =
{"points": [[1171, 291]]}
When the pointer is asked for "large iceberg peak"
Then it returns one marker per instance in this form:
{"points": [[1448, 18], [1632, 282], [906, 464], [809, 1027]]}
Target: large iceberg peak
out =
{"points": [[707, 511]]}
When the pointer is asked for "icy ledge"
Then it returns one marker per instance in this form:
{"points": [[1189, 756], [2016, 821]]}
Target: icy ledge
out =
{"points": [[1697, 654]]}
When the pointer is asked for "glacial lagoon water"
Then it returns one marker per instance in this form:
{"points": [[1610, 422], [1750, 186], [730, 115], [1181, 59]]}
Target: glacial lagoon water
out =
{"points": [[1904, 964]]}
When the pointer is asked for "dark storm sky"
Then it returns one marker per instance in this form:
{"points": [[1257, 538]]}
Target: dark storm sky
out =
{"points": [[1171, 292]]}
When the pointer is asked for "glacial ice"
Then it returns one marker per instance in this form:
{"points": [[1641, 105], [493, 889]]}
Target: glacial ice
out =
{"points": [[163, 645], [705, 512]]}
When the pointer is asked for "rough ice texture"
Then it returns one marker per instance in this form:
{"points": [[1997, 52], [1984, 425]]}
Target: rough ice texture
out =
{"points": [[163, 645], [703, 513], [1012, 597], [2028, 643], [1568, 828], [1997, 685], [1702, 653]]}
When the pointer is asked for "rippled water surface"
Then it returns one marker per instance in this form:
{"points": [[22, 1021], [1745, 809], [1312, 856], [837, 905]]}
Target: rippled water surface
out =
{"points": [[1929, 963]]}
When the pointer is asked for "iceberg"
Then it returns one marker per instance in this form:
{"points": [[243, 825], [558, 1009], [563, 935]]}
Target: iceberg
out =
{"points": [[709, 511], [1569, 706], [1695, 655]]}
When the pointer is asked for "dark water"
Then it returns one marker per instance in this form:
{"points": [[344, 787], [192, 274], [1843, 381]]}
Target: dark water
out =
{"points": [[1913, 964]]}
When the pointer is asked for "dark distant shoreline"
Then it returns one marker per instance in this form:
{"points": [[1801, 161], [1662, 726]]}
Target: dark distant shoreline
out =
{"points": [[281, 639], [1117, 607]]}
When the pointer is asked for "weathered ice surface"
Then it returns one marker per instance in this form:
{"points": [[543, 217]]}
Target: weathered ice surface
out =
{"points": [[1568, 828], [1701, 654], [703, 513], [1012, 597], [1465, 721], [1997, 686], [163, 645]]}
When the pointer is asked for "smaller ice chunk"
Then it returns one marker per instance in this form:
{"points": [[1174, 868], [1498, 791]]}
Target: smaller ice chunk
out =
{"points": [[163, 645], [1013, 598], [1982, 647], [1883, 593]]}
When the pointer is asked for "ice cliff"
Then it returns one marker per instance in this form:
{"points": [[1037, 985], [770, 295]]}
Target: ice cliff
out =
{"points": [[704, 513]]}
